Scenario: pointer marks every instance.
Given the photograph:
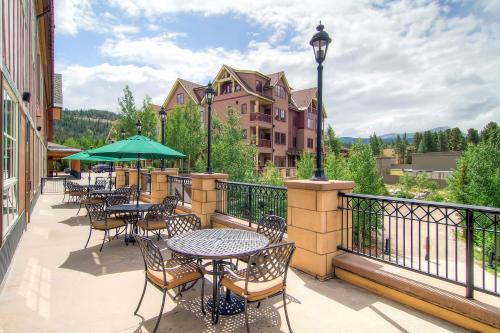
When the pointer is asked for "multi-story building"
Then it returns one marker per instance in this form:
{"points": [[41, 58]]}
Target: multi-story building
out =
{"points": [[279, 120], [27, 109]]}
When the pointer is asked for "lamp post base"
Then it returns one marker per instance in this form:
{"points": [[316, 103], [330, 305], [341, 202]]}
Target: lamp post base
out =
{"points": [[319, 175]]}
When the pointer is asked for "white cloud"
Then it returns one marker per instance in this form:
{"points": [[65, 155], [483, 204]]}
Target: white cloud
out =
{"points": [[402, 67], [73, 15]]}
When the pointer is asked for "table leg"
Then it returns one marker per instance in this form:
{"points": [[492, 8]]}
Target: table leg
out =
{"points": [[215, 292]]}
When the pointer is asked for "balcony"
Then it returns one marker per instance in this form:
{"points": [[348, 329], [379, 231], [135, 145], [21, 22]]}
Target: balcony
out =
{"points": [[258, 116], [264, 143], [39, 293]]}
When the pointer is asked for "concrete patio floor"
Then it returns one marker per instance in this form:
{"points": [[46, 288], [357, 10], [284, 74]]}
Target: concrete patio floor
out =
{"points": [[54, 285]]}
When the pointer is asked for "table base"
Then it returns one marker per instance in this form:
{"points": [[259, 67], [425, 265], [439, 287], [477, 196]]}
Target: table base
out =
{"points": [[228, 306]]}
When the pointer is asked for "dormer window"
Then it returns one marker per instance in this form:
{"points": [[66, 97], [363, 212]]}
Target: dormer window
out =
{"points": [[280, 92], [237, 87], [180, 98]]}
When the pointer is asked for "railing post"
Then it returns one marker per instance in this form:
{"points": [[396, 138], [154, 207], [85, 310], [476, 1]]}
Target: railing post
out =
{"points": [[469, 256], [250, 218]]}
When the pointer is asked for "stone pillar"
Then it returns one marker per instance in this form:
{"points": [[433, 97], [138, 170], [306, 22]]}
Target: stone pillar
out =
{"points": [[120, 177], [203, 196], [314, 223], [159, 184], [132, 177]]}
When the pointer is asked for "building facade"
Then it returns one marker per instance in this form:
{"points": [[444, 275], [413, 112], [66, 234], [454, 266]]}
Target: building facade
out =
{"points": [[27, 109], [280, 121]]}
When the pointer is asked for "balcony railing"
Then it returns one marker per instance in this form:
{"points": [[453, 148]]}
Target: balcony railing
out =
{"points": [[258, 116], [264, 143], [180, 187], [52, 185], [250, 201], [456, 243], [146, 183]]}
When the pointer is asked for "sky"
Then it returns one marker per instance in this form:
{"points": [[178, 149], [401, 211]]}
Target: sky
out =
{"points": [[393, 66]]}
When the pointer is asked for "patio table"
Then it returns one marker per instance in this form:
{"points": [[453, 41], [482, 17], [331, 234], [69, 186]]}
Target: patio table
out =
{"points": [[129, 208], [102, 192], [217, 245]]}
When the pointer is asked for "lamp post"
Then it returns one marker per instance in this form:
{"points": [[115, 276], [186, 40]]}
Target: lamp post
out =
{"points": [[111, 172], [90, 167], [320, 42], [138, 126], [209, 93], [122, 133], [163, 118]]}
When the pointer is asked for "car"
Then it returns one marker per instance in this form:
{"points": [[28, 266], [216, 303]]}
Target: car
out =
{"points": [[101, 168], [67, 170]]}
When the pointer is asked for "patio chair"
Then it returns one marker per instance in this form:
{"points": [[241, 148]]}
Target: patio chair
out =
{"points": [[86, 198], [133, 193], [75, 191], [154, 220], [67, 189], [273, 227], [169, 204], [182, 223], [99, 220], [101, 183], [264, 277], [122, 191], [164, 274]]}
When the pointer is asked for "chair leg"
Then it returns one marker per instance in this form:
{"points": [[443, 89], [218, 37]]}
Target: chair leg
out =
{"points": [[203, 296], [258, 305], [286, 312], [161, 311], [88, 239], [246, 315], [79, 207], [142, 296], [103, 240]]}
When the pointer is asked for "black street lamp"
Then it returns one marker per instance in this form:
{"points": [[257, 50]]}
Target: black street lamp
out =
{"points": [[138, 127], [320, 42], [163, 118], [209, 93], [123, 133]]}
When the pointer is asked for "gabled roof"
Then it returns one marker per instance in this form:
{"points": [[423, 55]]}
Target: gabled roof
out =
{"points": [[55, 147], [303, 98], [275, 78], [188, 86]]}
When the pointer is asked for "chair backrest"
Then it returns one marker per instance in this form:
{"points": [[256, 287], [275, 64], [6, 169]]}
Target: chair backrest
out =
{"points": [[182, 223], [170, 204], [133, 192], [97, 211], [151, 254], [122, 191], [116, 200], [101, 182], [155, 213], [269, 263], [273, 227]]}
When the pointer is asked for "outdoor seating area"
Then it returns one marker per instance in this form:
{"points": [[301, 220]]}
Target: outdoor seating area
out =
{"points": [[40, 290]]}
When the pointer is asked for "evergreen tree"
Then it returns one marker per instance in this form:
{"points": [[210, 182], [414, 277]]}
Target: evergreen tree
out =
{"points": [[374, 144], [417, 138], [398, 147], [435, 139], [472, 136], [442, 143], [149, 119], [429, 142], [128, 113], [332, 142], [422, 147], [456, 141], [491, 134]]}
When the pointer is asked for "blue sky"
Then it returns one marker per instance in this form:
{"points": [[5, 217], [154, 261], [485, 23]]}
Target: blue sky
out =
{"points": [[393, 66]]}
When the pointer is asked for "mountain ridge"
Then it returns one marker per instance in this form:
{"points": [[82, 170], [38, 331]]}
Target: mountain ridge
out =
{"points": [[388, 138]]}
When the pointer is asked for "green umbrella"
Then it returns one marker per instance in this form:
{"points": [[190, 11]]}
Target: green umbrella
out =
{"points": [[84, 156], [137, 146]]}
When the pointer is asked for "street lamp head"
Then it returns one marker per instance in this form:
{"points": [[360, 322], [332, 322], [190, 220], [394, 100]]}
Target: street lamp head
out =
{"points": [[320, 42], [138, 126], [210, 93], [122, 133], [163, 114]]}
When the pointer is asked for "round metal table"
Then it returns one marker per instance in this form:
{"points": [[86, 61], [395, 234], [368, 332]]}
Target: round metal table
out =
{"points": [[217, 245], [129, 208], [102, 192]]}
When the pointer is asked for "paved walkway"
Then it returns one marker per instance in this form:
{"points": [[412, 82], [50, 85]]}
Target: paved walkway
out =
{"points": [[55, 285]]}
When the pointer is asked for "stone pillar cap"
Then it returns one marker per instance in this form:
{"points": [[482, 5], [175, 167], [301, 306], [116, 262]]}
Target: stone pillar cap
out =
{"points": [[210, 175], [325, 185]]}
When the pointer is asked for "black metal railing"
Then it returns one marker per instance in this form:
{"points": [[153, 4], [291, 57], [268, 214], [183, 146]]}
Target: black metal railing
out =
{"points": [[181, 187], [145, 183], [250, 201], [126, 173], [452, 242], [52, 185]]}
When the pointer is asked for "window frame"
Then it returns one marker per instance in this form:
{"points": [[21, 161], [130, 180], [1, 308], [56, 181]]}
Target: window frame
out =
{"points": [[181, 95]]}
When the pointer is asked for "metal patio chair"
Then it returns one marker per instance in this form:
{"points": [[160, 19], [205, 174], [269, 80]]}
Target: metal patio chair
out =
{"points": [[153, 221], [99, 220]]}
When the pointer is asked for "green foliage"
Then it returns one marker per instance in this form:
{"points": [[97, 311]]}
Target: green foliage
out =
{"points": [[336, 167], [230, 153], [406, 185], [491, 134], [363, 170], [375, 145], [128, 114], [149, 119], [305, 165], [401, 148], [332, 142], [424, 182], [185, 131], [442, 143], [472, 136], [456, 140], [271, 175]]}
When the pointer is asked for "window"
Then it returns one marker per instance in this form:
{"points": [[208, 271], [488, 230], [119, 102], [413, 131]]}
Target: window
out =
{"points": [[294, 141], [279, 114], [227, 88], [180, 98], [258, 86], [243, 108], [311, 123], [280, 161], [202, 116], [237, 87], [280, 92], [280, 138], [310, 143], [10, 120]]}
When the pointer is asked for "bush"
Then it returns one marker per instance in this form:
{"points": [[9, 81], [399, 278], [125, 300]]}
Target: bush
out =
{"points": [[305, 165], [271, 175]]}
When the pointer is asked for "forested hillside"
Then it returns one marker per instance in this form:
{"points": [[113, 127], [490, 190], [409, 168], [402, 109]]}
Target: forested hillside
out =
{"points": [[76, 125]]}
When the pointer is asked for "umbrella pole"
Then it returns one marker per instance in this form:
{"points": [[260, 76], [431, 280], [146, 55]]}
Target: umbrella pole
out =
{"points": [[138, 177], [111, 176]]}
